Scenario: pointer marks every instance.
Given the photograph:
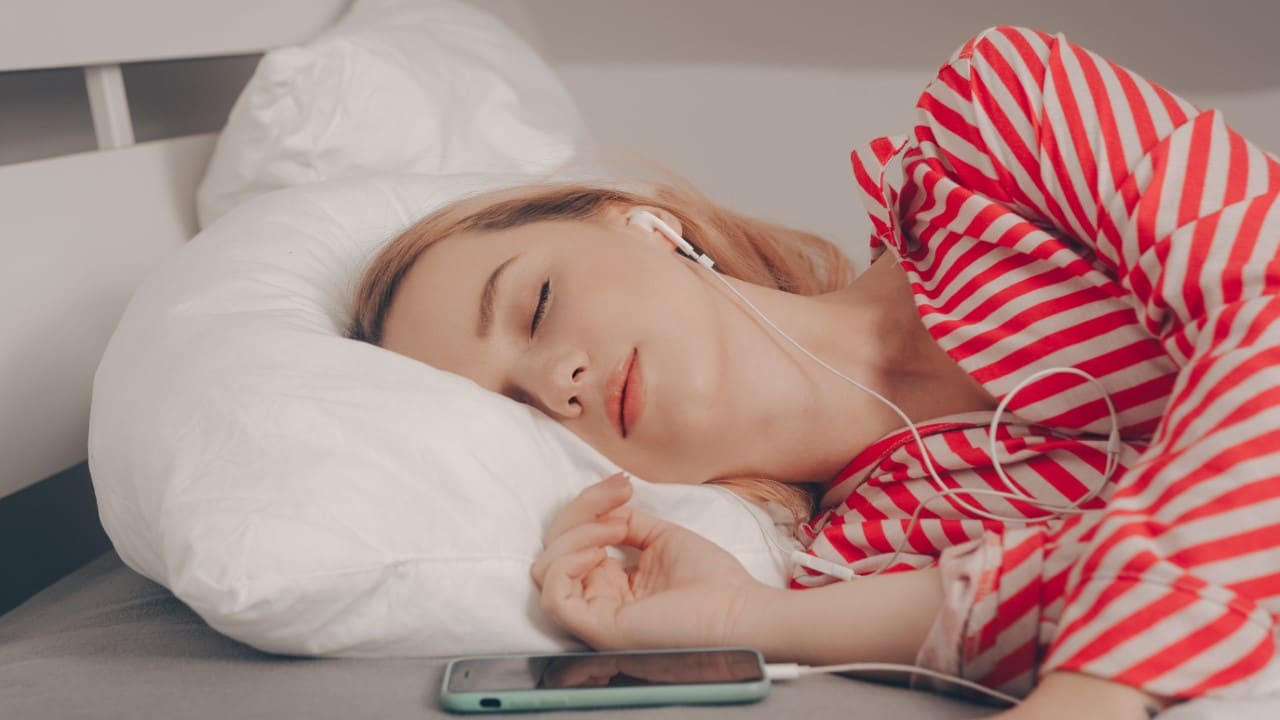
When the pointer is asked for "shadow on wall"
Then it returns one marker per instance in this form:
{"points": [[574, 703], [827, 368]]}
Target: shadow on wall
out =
{"points": [[1167, 40]]}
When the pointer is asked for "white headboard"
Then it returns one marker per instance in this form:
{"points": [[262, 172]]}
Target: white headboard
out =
{"points": [[63, 33], [81, 231]]}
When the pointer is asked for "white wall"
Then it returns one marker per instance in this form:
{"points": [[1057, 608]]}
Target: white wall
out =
{"points": [[759, 103], [756, 101]]}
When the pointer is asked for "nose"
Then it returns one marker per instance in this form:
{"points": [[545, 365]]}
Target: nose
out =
{"points": [[559, 383]]}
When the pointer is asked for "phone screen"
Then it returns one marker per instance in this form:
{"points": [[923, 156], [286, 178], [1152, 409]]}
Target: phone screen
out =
{"points": [[610, 669]]}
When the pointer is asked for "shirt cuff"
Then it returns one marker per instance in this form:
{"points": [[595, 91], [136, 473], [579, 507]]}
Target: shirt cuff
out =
{"points": [[972, 637]]}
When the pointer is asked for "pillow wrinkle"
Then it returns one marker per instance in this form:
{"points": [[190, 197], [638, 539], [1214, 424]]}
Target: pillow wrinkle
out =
{"points": [[392, 88]]}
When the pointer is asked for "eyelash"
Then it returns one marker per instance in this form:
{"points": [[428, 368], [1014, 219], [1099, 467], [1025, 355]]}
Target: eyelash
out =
{"points": [[540, 311]]}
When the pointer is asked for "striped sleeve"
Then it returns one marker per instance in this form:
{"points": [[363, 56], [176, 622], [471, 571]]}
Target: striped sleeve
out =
{"points": [[1178, 587]]}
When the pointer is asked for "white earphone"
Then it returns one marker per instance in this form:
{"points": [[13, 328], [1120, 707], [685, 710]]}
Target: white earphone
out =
{"points": [[648, 220]]}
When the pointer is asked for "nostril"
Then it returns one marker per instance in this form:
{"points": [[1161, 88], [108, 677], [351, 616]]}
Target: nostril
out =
{"points": [[577, 372]]}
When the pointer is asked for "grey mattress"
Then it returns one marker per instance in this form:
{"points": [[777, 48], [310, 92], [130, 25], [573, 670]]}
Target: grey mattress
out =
{"points": [[106, 643]]}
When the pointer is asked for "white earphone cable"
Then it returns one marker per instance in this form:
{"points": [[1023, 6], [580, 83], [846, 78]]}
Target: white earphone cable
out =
{"points": [[1113, 445], [683, 246], [790, 671], [827, 567]]}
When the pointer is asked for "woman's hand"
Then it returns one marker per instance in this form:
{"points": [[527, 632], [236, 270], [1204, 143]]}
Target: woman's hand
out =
{"points": [[683, 591]]}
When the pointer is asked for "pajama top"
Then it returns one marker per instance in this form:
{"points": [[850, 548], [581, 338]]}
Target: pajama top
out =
{"points": [[1053, 209]]}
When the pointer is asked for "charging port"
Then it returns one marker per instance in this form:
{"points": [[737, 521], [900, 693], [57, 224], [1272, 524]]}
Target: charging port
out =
{"points": [[490, 703]]}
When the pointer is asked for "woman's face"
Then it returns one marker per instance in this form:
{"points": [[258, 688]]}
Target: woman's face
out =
{"points": [[602, 327]]}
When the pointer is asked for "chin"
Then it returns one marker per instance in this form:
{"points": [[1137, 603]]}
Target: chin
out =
{"points": [[660, 472]]}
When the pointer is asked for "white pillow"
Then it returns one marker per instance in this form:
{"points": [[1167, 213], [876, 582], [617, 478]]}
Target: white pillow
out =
{"points": [[410, 86], [310, 494]]}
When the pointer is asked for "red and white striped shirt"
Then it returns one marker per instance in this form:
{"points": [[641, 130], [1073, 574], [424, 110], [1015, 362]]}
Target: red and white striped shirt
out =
{"points": [[1053, 209]]}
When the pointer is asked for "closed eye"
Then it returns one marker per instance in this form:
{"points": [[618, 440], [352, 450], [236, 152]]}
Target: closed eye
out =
{"points": [[544, 295]]}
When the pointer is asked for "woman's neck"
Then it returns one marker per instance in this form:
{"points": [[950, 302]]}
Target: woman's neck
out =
{"points": [[871, 332]]}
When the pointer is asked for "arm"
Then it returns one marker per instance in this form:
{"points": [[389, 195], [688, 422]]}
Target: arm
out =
{"points": [[1058, 696], [1171, 593], [686, 591], [872, 619]]}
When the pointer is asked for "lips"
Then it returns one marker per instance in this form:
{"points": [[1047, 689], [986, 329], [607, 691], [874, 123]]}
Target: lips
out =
{"points": [[625, 394]]}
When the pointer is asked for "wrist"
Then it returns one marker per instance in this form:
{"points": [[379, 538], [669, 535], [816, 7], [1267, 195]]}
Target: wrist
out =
{"points": [[881, 619], [775, 622]]}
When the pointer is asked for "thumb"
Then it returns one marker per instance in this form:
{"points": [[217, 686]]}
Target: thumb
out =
{"points": [[644, 529]]}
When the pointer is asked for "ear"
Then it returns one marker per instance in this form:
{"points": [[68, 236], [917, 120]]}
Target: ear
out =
{"points": [[624, 216]]}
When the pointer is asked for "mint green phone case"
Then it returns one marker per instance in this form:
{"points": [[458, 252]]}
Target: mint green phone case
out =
{"points": [[500, 701]]}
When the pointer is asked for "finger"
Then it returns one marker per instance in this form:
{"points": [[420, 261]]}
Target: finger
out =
{"points": [[562, 590], [620, 513], [609, 531], [591, 503], [643, 528], [608, 580], [564, 576]]}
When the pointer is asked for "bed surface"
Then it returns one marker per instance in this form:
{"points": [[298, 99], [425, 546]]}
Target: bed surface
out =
{"points": [[106, 642]]}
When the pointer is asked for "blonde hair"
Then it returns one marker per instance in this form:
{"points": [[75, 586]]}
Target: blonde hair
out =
{"points": [[745, 248]]}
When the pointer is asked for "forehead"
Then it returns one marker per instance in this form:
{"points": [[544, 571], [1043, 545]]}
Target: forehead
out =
{"points": [[483, 250]]}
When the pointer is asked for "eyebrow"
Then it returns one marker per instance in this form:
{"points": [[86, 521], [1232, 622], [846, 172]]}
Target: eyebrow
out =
{"points": [[486, 299]]}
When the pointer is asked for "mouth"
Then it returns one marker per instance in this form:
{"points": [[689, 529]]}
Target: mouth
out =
{"points": [[624, 394]]}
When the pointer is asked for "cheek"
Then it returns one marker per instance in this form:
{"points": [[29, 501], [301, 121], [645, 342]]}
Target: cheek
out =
{"points": [[695, 401], [688, 389], [691, 346]]}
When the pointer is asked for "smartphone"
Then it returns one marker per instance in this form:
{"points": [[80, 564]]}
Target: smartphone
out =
{"points": [[512, 683]]}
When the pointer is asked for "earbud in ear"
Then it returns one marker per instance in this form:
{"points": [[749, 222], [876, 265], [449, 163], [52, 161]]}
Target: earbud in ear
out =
{"points": [[649, 221], [644, 219]]}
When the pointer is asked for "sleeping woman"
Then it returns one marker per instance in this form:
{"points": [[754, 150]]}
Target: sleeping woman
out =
{"points": [[1048, 210]]}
